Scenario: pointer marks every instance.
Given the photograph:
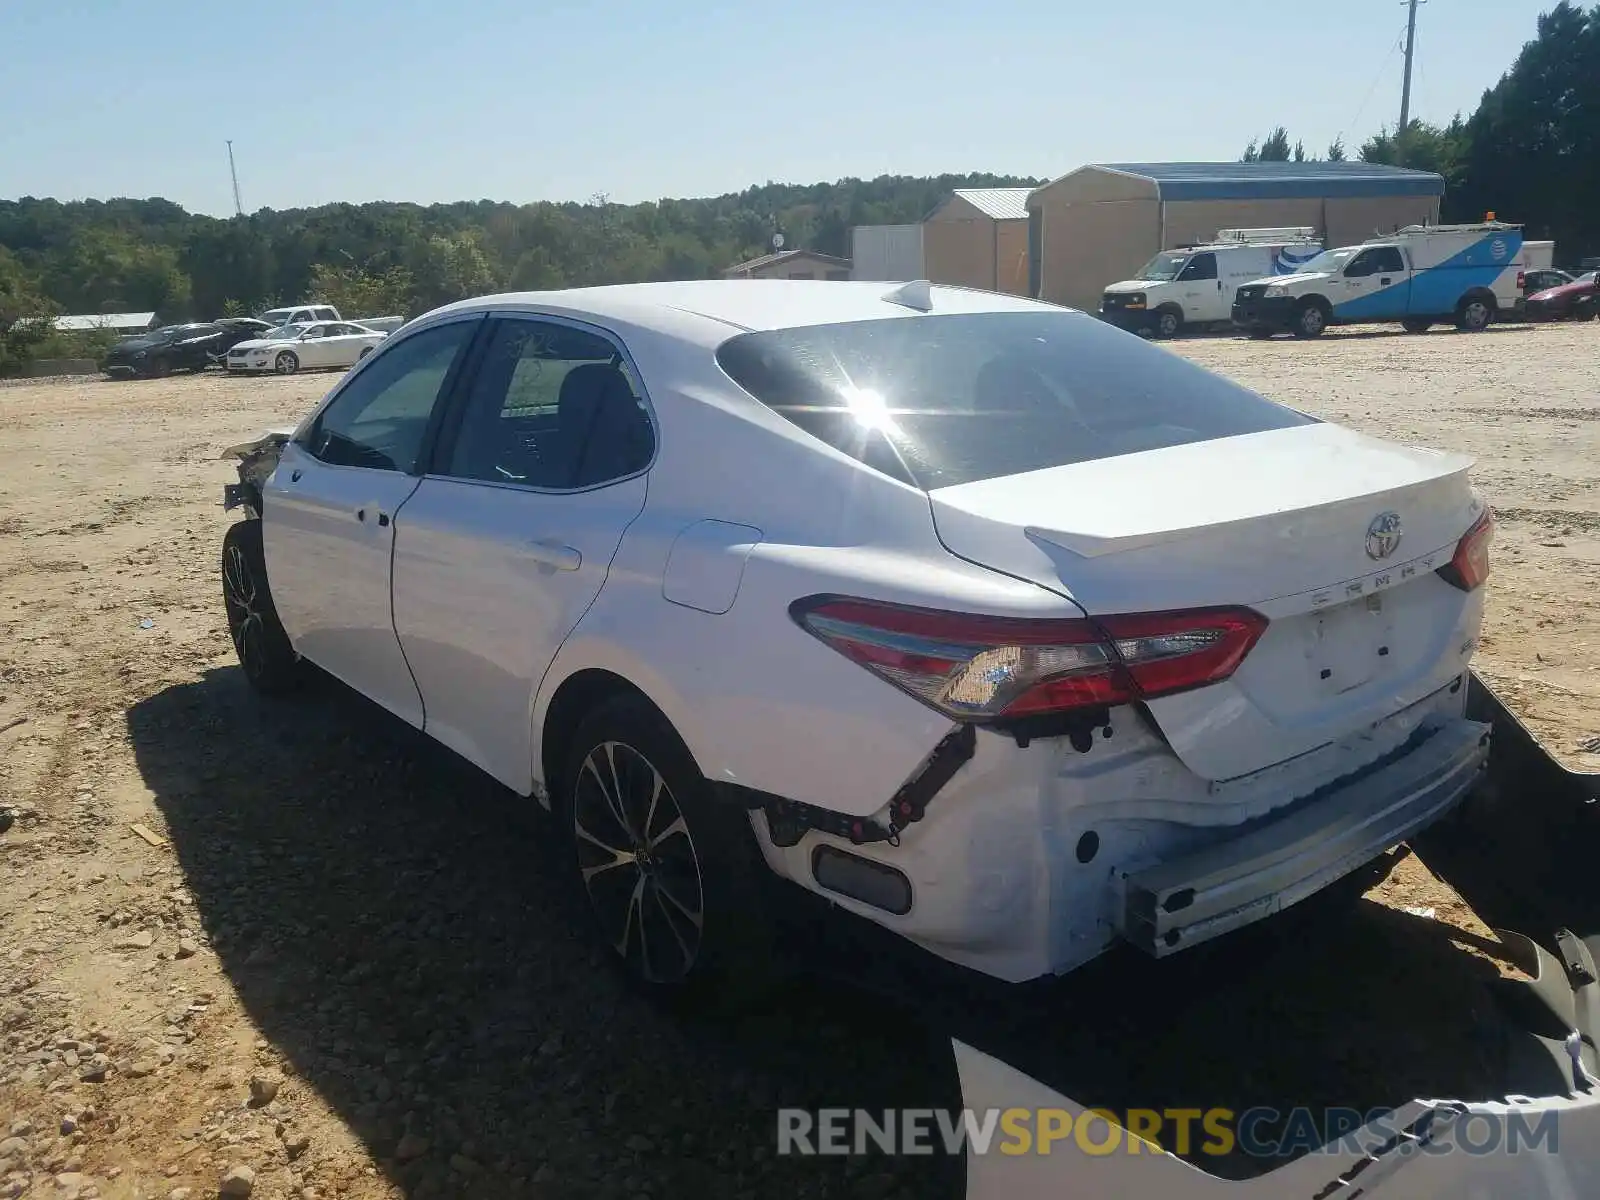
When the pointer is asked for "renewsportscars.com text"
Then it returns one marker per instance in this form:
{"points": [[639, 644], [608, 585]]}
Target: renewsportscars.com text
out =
{"points": [[1257, 1132]]}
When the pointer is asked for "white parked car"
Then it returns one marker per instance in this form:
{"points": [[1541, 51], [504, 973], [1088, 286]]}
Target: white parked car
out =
{"points": [[987, 621], [291, 348]]}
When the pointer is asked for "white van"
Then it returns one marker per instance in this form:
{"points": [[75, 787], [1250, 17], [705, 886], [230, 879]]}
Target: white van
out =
{"points": [[1195, 285]]}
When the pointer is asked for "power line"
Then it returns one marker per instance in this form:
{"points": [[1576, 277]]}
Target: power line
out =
{"points": [[1394, 48]]}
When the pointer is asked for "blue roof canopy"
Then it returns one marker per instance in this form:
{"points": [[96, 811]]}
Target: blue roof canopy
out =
{"points": [[1281, 180]]}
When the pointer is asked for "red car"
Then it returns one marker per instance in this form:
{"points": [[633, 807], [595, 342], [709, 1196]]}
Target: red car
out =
{"points": [[1575, 301]]}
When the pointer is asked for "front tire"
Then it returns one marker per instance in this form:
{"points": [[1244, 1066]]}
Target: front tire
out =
{"points": [[265, 655], [1169, 323], [287, 363], [1310, 320], [1416, 325], [671, 877]]}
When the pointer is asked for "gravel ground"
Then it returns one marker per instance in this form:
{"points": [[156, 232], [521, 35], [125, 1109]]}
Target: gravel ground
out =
{"points": [[293, 950]]}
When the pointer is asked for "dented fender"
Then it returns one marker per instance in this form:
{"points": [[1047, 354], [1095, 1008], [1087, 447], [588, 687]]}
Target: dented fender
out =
{"points": [[257, 460]]}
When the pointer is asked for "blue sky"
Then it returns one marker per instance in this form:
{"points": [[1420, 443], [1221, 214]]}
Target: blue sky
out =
{"points": [[527, 100]]}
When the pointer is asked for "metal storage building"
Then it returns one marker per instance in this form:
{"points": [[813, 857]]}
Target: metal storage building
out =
{"points": [[886, 252], [978, 237], [1101, 223]]}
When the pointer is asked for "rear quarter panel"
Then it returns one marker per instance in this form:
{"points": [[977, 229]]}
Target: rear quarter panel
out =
{"points": [[759, 701]]}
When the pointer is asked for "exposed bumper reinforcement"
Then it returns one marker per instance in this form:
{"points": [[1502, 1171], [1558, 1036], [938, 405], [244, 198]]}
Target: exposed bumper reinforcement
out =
{"points": [[1184, 901]]}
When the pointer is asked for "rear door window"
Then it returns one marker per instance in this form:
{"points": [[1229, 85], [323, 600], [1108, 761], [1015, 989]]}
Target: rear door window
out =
{"points": [[550, 407], [941, 400]]}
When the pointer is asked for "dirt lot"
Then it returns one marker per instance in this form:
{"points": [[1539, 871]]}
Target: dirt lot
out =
{"points": [[294, 939]]}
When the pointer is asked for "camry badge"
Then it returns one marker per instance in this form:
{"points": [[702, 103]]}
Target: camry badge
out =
{"points": [[1383, 535]]}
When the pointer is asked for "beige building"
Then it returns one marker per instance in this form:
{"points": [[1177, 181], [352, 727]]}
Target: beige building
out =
{"points": [[1100, 224], [791, 264], [979, 238]]}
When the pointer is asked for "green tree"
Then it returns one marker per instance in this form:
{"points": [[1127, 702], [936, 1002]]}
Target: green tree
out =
{"points": [[105, 270], [24, 314], [1272, 148], [1531, 151], [357, 293], [1336, 150], [1423, 147], [451, 267]]}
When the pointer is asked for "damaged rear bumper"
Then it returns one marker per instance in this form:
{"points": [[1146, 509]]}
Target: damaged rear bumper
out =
{"points": [[1294, 853]]}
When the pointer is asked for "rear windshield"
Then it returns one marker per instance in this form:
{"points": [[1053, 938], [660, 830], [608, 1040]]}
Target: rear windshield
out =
{"points": [[937, 401]]}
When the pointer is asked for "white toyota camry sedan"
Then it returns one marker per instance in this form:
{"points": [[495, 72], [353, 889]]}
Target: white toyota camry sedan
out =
{"points": [[984, 620]]}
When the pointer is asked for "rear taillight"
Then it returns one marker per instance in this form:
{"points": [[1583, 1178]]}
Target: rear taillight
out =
{"points": [[991, 669], [1469, 565]]}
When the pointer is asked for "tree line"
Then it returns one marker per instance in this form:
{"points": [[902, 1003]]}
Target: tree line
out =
{"points": [[1530, 152], [392, 258]]}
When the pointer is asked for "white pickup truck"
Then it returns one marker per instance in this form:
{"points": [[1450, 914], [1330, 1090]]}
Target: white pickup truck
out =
{"points": [[1420, 276], [308, 313]]}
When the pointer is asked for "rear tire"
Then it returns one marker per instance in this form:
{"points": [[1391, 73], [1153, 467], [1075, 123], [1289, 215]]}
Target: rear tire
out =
{"points": [[670, 876], [287, 363], [1416, 324], [1310, 319], [265, 655], [1474, 314], [1168, 324]]}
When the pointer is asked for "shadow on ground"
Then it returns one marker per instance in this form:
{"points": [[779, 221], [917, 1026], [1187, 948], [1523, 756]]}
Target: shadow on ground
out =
{"points": [[390, 921]]}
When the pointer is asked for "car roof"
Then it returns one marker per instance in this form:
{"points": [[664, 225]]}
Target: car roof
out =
{"points": [[749, 304]]}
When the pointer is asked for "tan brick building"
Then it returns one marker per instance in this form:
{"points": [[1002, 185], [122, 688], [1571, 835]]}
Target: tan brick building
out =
{"points": [[1101, 223]]}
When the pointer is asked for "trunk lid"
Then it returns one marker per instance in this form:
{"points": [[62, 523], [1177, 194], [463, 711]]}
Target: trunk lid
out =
{"points": [[1332, 535]]}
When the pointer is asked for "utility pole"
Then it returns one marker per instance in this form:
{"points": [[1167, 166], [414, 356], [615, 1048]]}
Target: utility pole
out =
{"points": [[1405, 87], [239, 208]]}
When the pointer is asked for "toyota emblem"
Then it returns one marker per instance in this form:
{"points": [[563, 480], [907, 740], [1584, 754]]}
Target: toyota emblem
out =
{"points": [[1383, 535]]}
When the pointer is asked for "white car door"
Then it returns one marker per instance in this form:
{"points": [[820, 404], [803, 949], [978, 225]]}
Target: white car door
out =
{"points": [[1374, 286], [318, 347], [330, 506], [338, 346], [346, 344], [507, 540]]}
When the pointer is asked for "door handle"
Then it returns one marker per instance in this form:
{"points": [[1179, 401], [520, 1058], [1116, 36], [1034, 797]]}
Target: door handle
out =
{"points": [[553, 554], [1384, 280]]}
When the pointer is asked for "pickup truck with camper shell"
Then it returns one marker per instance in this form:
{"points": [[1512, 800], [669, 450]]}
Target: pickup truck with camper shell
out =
{"points": [[1420, 276]]}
